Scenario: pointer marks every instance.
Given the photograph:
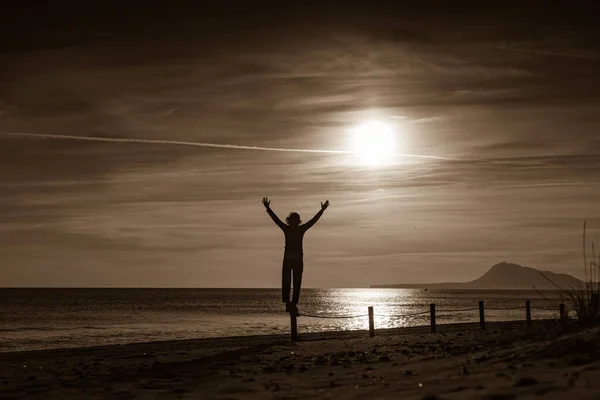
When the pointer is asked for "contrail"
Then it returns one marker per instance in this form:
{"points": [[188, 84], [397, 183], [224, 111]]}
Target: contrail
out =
{"points": [[201, 144]]}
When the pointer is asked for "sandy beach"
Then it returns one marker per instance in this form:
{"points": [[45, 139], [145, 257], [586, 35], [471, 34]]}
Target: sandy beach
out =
{"points": [[507, 361]]}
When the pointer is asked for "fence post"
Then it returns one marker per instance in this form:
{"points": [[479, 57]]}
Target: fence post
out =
{"points": [[528, 312], [432, 317], [294, 323], [481, 316], [561, 307], [594, 306], [371, 322]]}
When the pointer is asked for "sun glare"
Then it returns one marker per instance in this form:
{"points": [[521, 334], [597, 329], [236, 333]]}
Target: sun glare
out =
{"points": [[374, 143]]}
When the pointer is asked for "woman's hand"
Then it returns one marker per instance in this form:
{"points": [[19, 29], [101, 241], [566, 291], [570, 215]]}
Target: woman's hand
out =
{"points": [[324, 205], [267, 203]]}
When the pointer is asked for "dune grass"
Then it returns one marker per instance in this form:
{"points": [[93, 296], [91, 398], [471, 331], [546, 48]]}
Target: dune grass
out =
{"points": [[584, 298]]}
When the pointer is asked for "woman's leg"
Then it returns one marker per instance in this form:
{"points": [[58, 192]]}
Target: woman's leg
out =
{"points": [[286, 281], [298, 269]]}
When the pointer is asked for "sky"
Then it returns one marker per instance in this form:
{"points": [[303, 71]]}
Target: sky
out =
{"points": [[507, 98]]}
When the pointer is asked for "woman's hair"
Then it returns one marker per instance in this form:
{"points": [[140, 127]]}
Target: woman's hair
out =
{"points": [[293, 215]]}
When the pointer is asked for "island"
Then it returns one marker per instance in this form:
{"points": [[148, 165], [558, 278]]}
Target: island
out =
{"points": [[504, 276]]}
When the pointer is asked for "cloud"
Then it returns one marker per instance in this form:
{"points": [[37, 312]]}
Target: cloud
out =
{"points": [[586, 55]]}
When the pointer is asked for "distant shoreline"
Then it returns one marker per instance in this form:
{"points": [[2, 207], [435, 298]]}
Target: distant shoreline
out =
{"points": [[433, 288]]}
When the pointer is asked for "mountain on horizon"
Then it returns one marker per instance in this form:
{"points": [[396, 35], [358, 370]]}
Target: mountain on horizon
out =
{"points": [[505, 276]]}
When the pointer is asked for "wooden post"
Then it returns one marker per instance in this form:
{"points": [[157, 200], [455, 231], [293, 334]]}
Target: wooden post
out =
{"points": [[594, 306], [481, 316], [528, 312], [561, 307], [294, 323], [371, 323], [432, 317]]}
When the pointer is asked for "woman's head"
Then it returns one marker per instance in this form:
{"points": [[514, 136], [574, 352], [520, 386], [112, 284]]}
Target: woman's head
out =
{"points": [[293, 219]]}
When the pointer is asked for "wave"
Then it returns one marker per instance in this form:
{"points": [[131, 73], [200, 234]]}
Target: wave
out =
{"points": [[51, 328]]}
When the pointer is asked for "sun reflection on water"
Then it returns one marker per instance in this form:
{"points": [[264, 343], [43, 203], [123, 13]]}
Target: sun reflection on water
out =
{"points": [[395, 308], [355, 302]]}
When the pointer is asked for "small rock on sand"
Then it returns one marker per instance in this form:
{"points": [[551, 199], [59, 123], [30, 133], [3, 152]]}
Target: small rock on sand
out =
{"points": [[527, 381]]}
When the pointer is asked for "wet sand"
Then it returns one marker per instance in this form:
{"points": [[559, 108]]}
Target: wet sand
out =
{"points": [[507, 361]]}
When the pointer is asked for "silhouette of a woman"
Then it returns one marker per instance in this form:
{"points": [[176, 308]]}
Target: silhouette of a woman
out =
{"points": [[293, 256]]}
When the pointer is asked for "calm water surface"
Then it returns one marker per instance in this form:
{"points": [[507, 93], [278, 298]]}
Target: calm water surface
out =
{"points": [[51, 318]]}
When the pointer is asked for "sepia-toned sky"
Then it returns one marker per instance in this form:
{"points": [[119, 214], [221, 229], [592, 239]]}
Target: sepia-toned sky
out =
{"points": [[508, 98]]}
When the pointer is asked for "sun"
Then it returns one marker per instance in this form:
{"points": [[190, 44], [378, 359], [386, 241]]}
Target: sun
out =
{"points": [[374, 142]]}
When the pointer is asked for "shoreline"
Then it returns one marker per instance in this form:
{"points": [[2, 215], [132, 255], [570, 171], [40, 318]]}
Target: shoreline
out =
{"points": [[303, 336]]}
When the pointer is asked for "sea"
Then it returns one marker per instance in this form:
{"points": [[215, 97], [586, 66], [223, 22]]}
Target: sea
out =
{"points": [[34, 319]]}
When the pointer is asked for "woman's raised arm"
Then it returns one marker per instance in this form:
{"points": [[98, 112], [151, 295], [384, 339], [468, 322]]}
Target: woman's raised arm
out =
{"points": [[267, 203]]}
